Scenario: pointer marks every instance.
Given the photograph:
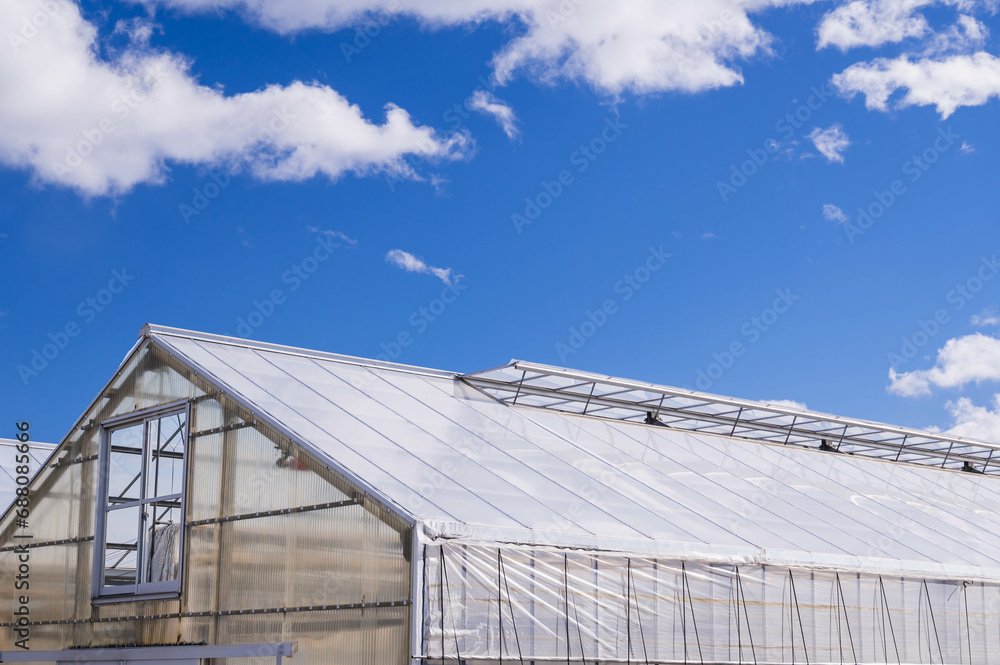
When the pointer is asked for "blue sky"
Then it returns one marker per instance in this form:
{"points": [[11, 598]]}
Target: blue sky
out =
{"points": [[536, 163]]}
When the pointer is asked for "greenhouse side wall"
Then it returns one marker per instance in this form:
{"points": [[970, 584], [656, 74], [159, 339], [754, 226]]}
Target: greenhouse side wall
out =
{"points": [[335, 577], [489, 604]]}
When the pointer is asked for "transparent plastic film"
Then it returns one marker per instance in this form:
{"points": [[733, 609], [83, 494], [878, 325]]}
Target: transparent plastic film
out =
{"points": [[545, 605]]}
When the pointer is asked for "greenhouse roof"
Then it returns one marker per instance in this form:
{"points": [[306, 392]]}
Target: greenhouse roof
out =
{"points": [[538, 455]]}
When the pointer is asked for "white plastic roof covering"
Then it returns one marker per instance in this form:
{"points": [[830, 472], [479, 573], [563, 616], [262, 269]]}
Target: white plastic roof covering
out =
{"points": [[461, 465]]}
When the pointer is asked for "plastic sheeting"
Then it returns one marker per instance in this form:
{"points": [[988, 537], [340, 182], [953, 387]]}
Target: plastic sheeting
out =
{"points": [[537, 605], [462, 465]]}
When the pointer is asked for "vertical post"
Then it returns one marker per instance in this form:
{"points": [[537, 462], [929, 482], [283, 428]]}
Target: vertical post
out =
{"points": [[226, 491], [628, 611], [418, 602], [566, 602]]}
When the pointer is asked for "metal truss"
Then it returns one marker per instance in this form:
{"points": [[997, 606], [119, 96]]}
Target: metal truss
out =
{"points": [[546, 387]]}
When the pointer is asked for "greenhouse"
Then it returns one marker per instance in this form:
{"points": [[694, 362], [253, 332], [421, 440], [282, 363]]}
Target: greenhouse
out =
{"points": [[227, 501]]}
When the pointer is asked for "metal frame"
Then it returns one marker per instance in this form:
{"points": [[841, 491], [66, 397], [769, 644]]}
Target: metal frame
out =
{"points": [[180, 653], [100, 592], [569, 391]]}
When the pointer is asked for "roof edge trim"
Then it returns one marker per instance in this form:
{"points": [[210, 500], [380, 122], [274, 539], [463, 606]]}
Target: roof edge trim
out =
{"points": [[151, 330]]}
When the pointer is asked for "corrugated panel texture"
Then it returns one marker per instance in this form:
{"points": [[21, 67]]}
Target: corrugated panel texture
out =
{"points": [[354, 555]]}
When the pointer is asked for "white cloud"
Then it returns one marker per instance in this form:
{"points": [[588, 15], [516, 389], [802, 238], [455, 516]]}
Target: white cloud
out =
{"points": [[709, 235], [831, 142], [970, 359], [986, 318], [410, 263], [103, 126], [488, 103], [966, 148], [975, 422], [641, 46], [965, 36], [878, 22], [834, 214], [872, 23], [947, 83], [138, 30]]}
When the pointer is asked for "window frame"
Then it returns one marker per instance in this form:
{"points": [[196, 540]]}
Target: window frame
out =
{"points": [[138, 589]]}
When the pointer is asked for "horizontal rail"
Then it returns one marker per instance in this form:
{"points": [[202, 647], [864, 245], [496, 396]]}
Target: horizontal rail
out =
{"points": [[270, 513], [218, 613]]}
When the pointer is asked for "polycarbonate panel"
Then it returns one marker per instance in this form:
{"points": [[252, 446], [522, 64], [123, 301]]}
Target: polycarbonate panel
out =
{"points": [[11, 460], [56, 506], [324, 557], [376, 636], [520, 604], [355, 554]]}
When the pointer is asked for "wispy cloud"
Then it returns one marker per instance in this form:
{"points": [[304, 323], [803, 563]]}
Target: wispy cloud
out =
{"points": [[337, 235], [966, 148], [831, 142], [488, 103], [242, 233], [986, 318], [833, 213], [709, 235], [410, 263]]}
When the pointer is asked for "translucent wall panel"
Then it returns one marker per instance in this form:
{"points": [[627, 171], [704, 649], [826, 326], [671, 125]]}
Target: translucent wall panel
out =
{"points": [[484, 603], [249, 575]]}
